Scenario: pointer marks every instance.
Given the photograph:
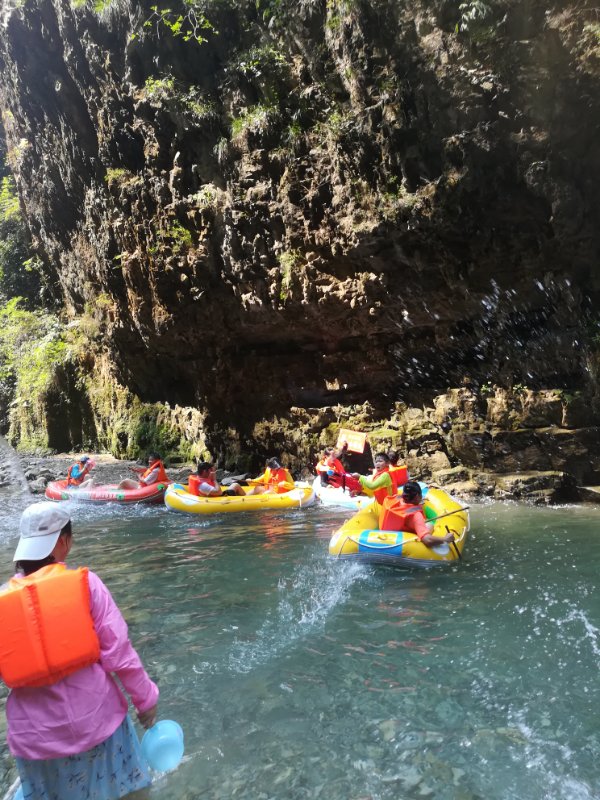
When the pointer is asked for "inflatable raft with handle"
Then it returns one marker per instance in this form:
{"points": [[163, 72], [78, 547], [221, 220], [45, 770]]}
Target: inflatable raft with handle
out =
{"points": [[337, 496], [360, 539], [340, 495], [178, 498], [106, 493]]}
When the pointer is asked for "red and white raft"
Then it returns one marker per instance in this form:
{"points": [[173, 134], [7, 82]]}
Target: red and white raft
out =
{"points": [[106, 493]]}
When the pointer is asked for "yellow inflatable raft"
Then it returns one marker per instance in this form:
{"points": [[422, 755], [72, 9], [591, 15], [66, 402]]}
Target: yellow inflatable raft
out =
{"points": [[359, 538], [177, 498]]}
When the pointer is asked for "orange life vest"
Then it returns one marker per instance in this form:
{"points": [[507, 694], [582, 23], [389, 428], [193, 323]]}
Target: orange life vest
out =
{"points": [[325, 464], [162, 475], [71, 481], [47, 630], [395, 513], [400, 474], [194, 482], [384, 491], [278, 479]]}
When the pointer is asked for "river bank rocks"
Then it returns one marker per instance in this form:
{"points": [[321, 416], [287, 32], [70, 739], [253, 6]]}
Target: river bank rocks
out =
{"points": [[504, 445]]}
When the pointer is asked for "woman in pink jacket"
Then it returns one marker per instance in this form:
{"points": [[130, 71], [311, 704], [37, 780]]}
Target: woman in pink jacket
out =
{"points": [[68, 726]]}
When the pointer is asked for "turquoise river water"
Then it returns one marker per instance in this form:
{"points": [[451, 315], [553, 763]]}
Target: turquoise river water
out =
{"points": [[294, 676]]}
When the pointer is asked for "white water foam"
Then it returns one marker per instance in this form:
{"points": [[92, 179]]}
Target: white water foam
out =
{"points": [[305, 602]]}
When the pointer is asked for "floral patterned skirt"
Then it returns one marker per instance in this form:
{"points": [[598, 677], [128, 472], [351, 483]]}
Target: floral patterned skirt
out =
{"points": [[109, 771]]}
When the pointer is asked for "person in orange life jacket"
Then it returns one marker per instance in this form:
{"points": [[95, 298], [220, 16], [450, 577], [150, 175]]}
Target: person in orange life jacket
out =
{"points": [[406, 514], [78, 472], [402, 471], [275, 479], [66, 713], [204, 482], [382, 483], [154, 473], [330, 463]]}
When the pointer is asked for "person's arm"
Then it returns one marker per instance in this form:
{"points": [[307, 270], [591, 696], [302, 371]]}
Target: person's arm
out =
{"points": [[342, 451], [262, 479], [423, 530], [208, 490], [288, 482], [117, 654], [374, 483]]}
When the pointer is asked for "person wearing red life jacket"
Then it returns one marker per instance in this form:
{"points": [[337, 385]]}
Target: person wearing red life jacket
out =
{"points": [[77, 475], [275, 479], [204, 482], [66, 713], [153, 473], [330, 464], [406, 513], [382, 483]]}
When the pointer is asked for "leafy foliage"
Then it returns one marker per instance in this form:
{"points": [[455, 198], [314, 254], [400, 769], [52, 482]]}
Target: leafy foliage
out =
{"points": [[472, 13], [19, 270], [32, 347], [191, 25]]}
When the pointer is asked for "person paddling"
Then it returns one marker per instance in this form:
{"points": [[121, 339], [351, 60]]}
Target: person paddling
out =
{"points": [[406, 513], [68, 726], [275, 478]]}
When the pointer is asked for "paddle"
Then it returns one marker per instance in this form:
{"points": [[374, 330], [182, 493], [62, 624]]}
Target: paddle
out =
{"points": [[453, 543], [448, 514]]}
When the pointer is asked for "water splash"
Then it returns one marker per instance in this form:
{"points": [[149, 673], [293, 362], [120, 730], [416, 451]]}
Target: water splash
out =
{"points": [[305, 602]]}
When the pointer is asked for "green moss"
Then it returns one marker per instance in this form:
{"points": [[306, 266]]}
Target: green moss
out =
{"points": [[288, 263], [121, 178], [181, 238], [255, 119], [9, 200]]}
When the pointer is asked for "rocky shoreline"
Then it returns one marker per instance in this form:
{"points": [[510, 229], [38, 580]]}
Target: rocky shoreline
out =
{"points": [[428, 462]]}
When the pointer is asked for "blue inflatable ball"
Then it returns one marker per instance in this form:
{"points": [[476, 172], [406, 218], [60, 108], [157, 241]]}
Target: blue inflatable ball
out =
{"points": [[162, 745], [18, 795]]}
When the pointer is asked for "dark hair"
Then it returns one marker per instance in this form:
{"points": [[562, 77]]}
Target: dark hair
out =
{"points": [[154, 457], [203, 466], [385, 457], [273, 463], [411, 489], [328, 451], [393, 456], [27, 567]]}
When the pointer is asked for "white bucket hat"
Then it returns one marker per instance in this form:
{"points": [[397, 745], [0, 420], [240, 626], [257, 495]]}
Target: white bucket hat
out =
{"points": [[40, 527]]}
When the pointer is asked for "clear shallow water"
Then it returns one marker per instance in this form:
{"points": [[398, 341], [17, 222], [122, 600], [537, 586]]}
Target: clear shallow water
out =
{"points": [[294, 676]]}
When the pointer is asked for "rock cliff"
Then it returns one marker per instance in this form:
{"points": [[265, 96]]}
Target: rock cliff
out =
{"points": [[283, 209]]}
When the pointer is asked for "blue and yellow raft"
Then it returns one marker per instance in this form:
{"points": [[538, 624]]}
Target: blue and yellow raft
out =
{"points": [[359, 538]]}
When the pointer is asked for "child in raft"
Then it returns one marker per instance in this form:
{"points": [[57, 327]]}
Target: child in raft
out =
{"points": [[275, 479]]}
